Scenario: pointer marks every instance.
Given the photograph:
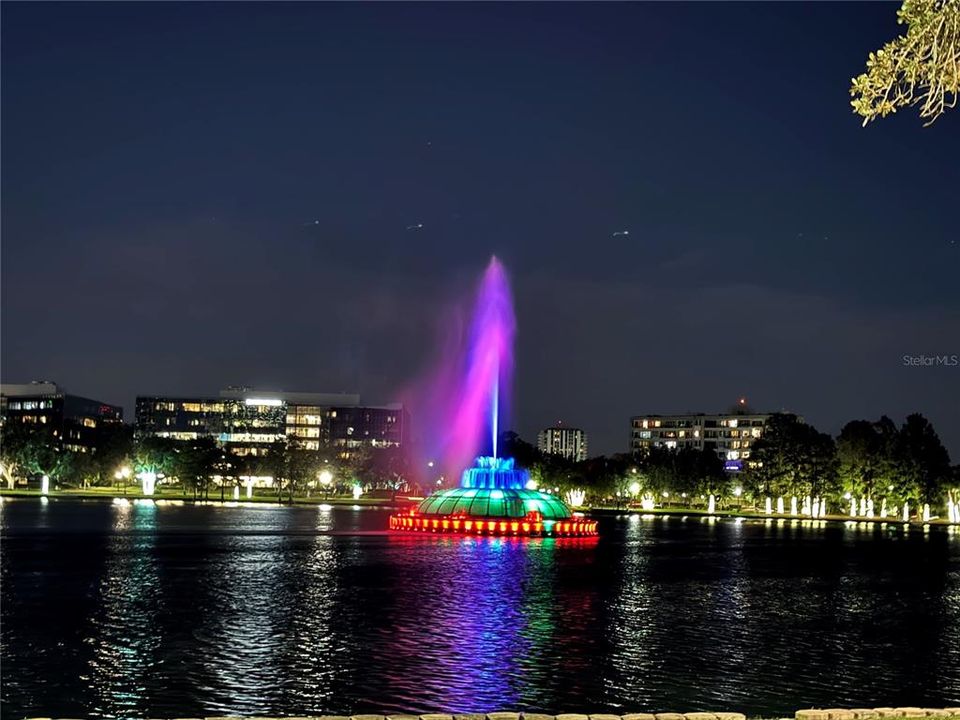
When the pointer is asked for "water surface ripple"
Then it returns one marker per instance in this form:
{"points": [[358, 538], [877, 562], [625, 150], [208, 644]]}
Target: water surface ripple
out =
{"points": [[151, 610]]}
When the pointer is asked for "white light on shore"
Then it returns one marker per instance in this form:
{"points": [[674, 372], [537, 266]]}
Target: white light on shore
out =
{"points": [[357, 492], [148, 481], [45, 485], [712, 505], [767, 506], [576, 497]]}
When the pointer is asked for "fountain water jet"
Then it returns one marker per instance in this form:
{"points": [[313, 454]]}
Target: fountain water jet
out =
{"points": [[493, 497]]}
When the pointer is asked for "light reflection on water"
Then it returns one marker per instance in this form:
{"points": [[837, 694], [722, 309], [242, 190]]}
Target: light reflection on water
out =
{"points": [[153, 609]]}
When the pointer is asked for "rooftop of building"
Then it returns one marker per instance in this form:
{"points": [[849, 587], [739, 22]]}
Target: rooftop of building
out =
{"points": [[253, 395]]}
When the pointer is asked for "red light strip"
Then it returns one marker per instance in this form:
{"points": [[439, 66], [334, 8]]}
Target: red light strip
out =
{"points": [[452, 525]]}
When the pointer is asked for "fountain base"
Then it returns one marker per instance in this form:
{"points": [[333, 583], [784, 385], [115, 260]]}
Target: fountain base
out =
{"points": [[461, 524]]}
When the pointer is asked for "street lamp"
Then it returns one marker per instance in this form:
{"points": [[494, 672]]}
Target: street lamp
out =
{"points": [[326, 478], [122, 473]]}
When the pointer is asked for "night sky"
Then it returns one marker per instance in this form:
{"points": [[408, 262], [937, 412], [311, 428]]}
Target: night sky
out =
{"points": [[200, 195]]}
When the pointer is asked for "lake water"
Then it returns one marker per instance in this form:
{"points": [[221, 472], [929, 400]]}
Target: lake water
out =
{"points": [[152, 610]]}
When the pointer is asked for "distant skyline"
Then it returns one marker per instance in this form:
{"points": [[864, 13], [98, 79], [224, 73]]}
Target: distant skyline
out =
{"points": [[295, 195]]}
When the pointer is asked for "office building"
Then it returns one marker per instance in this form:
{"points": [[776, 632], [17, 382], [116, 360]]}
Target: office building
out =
{"points": [[570, 442], [73, 422], [249, 421]]}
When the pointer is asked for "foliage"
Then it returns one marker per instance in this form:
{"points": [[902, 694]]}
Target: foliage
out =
{"points": [[792, 459], [194, 462], [866, 455], [922, 465], [921, 67]]}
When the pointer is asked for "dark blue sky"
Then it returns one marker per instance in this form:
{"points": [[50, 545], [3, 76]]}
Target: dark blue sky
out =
{"points": [[197, 195]]}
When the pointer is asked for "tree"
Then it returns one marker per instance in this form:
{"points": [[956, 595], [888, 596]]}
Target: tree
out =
{"points": [[15, 441], [194, 462], [114, 449], [229, 466], [921, 67], [156, 455], [792, 458], [922, 462]]}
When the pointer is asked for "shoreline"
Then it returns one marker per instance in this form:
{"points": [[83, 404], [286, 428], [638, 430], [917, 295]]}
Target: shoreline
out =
{"points": [[388, 504]]}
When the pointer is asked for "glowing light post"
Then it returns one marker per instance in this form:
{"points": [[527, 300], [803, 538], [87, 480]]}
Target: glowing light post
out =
{"points": [[122, 475], [926, 513], [906, 511], [711, 504], [737, 492], [853, 504], [357, 491], [779, 506], [768, 506], [326, 478], [249, 488], [148, 481], [236, 492], [793, 504], [45, 485]]}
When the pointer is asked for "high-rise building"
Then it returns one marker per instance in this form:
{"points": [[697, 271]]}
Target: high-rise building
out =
{"points": [[72, 422], [730, 435], [570, 442], [249, 421]]}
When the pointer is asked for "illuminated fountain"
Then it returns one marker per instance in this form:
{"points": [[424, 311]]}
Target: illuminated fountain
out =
{"points": [[494, 497]]}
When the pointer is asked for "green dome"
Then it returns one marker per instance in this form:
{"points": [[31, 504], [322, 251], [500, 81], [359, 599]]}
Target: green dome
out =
{"points": [[484, 502]]}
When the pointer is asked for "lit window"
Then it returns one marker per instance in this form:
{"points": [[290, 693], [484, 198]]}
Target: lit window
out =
{"points": [[88, 422], [191, 407]]}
